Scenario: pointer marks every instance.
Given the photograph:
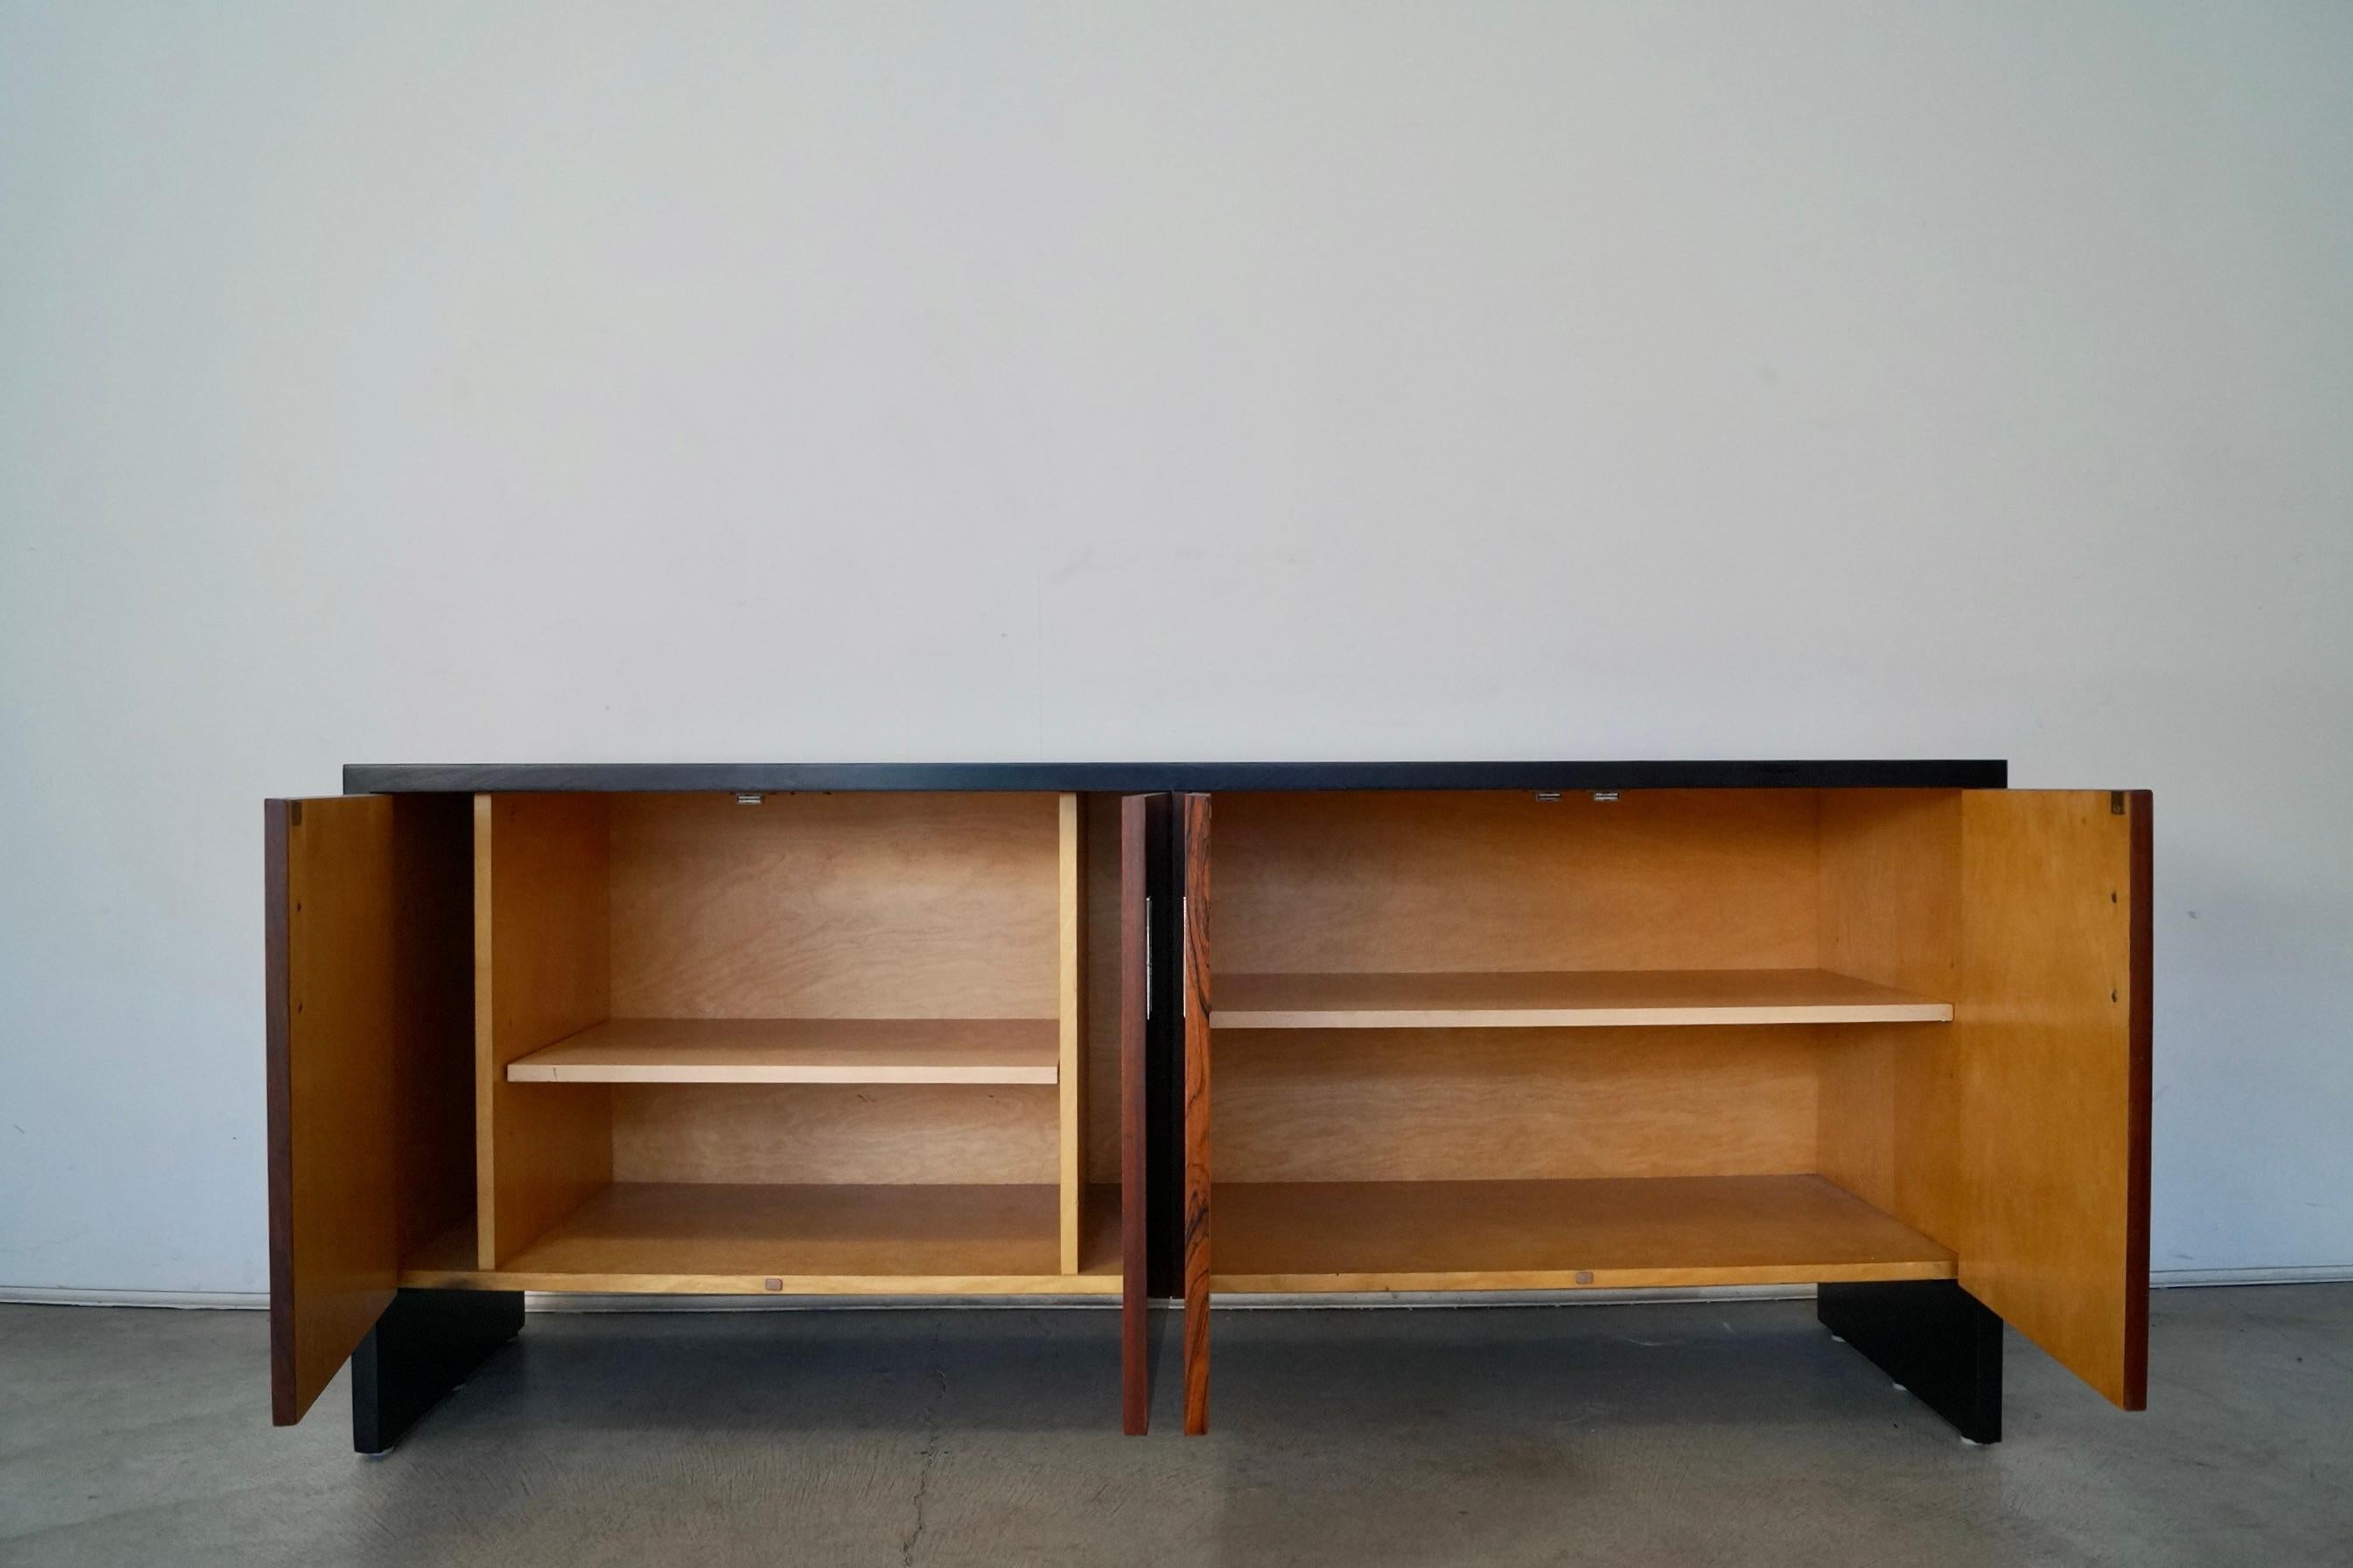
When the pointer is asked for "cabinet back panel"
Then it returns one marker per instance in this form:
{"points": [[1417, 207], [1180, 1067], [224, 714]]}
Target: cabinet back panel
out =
{"points": [[1407, 1105], [819, 1133], [1489, 880], [835, 906]]}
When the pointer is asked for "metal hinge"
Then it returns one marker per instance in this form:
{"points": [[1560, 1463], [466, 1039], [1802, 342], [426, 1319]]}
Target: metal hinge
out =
{"points": [[2115, 803]]}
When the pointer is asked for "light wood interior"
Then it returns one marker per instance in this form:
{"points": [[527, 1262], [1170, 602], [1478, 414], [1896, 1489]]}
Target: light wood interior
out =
{"points": [[835, 906], [858, 1134], [707, 1011], [1457, 1046], [1493, 882], [1891, 912], [1631, 1040], [1436, 1105], [1550, 1235], [1571, 999], [824, 1240], [541, 973], [798, 1051]]}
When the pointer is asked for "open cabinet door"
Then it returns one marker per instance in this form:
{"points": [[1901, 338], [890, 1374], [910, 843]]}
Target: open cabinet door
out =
{"points": [[368, 916], [2053, 1023]]}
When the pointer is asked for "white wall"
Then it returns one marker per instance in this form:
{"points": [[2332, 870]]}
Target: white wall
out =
{"points": [[408, 383]]}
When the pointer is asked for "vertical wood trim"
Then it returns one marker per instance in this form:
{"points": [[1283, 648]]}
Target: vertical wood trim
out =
{"points": [[1136, 1383], [2139, 804], [285, 1406], [1196, 916], [1070, 1072], [486, 1182]]}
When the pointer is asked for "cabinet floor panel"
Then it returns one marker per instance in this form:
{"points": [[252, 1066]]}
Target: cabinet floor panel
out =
{"points": [[1595, 998], [695, 1239], [799, 1051], [1560, 1235]]}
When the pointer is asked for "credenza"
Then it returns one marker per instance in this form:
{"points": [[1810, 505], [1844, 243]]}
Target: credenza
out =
{"points": [[1007, 1032]]}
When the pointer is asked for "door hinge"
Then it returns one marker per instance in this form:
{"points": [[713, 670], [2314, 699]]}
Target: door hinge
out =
{"points": [[2115, 803], [293, 814]]}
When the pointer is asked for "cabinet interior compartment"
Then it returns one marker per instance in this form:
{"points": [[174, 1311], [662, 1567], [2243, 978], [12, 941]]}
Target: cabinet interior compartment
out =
{"points": [[801, 1044], [1492, 1040]]}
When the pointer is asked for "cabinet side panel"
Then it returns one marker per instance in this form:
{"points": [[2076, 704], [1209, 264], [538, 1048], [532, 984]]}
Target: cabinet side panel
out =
{"points": [[543, 972], [2053, 1023], [1890, 892]]}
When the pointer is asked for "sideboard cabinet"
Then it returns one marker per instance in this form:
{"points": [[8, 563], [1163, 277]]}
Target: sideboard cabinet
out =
{"points": [[1004, 1033]]}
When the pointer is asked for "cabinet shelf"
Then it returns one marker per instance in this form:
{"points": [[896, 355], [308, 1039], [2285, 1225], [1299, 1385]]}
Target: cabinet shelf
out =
{"points": [[718, 1238], [1605, 1233], [799, 1051], [1562, 999]]}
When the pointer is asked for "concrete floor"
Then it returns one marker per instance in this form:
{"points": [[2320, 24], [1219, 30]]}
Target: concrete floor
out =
{"points": [[1734, 1432]]}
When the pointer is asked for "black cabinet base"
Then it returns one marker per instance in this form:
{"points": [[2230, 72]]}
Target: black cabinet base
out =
{"points": [[424, 1345], [1931, 1336]]}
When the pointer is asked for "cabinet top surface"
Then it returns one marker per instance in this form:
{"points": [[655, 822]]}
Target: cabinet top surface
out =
{"points": [[373, 778]]}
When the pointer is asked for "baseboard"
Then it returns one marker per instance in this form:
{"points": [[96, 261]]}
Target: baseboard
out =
{"points": [[2326, 1274], [259, 1300], [184, 1301]]}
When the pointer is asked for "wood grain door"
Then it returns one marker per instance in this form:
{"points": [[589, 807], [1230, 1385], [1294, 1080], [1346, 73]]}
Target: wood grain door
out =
{"points": [[369, 921], [2053, 1025]]}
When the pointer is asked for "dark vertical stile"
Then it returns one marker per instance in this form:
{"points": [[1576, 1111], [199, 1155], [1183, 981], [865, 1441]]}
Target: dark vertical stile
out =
{"points": [[277, 1031], [1195, 921], [1136, 1383], [1165, 1045], [2143, 982]]}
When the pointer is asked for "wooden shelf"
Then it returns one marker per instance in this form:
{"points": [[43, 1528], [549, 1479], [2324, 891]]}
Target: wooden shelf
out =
{"points": [[1549, 1235], [720, 1239], [1567, 999], [799, 1051]]}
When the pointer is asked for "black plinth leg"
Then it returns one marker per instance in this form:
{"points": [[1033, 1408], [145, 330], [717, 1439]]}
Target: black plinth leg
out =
{"points": [[1932, 1337], [425, 1344]]}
